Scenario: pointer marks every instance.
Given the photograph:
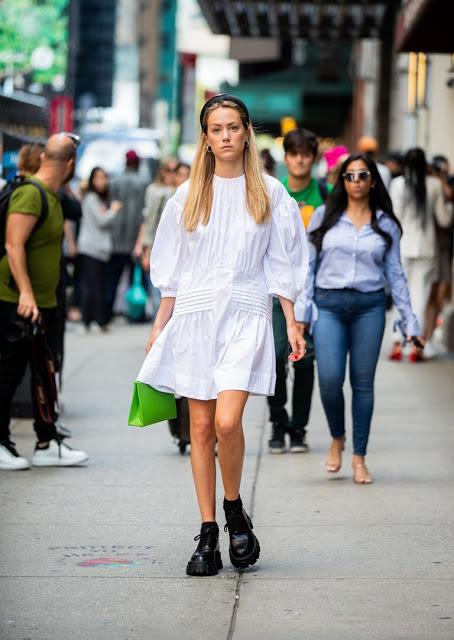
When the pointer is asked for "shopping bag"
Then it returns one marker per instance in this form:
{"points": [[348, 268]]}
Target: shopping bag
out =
{"points": [[136, 296], [149, 406]]}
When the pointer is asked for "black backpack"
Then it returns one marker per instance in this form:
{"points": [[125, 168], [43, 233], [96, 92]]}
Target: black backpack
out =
{"points": [[5, 197]]}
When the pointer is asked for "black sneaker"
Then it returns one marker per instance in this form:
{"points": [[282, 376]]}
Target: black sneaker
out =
{"points": [[298, 442], [276, 444], [244, 549], [206, 559]]}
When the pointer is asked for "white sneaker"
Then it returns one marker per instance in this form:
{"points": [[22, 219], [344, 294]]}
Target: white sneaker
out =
{"points": [[58, 455], [429, 351], [95, 329], [82, 330], [10, 460]]}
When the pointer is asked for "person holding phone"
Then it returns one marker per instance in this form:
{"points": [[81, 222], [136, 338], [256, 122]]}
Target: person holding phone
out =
{"points": [[354, 252], [229, 239]]}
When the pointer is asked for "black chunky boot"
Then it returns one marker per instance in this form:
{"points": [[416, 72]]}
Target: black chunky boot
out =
{"points": [[244, 547], [206, 559]]}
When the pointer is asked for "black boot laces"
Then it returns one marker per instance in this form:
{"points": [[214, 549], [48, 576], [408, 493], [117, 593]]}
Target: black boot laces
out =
{"points": [[237, 522], [204, 537]]}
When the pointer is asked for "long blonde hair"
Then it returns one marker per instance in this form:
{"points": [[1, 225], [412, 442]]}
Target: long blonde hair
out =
{"points": [[200, 195]]}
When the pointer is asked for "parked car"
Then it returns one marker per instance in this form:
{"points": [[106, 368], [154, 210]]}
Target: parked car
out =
{"points": [[108, 149]]}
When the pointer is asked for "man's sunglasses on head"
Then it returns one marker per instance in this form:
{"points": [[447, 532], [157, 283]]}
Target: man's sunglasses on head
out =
{"points": [[75, 139], [351, 176]]}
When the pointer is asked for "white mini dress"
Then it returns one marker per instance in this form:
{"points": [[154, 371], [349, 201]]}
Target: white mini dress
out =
{"points": [[223, 276]]}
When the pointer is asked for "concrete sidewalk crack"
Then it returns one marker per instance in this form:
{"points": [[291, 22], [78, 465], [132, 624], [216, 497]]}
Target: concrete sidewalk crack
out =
{"points": [[239, 583]]}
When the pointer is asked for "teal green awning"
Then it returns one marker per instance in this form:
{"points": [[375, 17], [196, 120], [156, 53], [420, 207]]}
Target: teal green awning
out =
{"points": [[269, 101]]}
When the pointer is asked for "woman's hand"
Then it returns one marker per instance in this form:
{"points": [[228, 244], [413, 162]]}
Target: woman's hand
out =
{"points": [[162, 317], [138, 250], [146, 256], [417, 339], [116, 205], [152, 339], [297, 342]]}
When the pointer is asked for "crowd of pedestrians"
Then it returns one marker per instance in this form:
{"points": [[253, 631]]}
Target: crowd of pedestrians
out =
{"points": [[116, 233], [248, 276], [45, 226], [355, 213]]}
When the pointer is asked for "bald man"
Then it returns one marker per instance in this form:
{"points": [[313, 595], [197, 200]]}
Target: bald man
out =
{"points": [[29, 275]]}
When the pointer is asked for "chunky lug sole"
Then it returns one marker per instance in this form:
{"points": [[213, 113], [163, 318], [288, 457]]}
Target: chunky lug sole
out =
{"points": [[246, 561], [205, 568]]}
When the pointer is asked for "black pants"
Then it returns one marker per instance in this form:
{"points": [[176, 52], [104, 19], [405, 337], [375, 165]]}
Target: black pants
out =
{"points": [[75, 297], [303, 381], [117, 264], [93, 290], [14, 358], [61, 311]]}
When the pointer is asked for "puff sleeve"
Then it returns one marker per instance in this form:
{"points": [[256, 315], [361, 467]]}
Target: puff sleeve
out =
{"points": [[286, 258], [169, 251]]}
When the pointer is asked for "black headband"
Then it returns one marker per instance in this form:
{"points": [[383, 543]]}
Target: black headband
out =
{"points": [[223, 97]]}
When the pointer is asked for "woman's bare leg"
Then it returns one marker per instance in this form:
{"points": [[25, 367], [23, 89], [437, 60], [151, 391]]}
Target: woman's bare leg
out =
{"points": [[439, 296], [432, 311], [203, 440], [229, 430]]}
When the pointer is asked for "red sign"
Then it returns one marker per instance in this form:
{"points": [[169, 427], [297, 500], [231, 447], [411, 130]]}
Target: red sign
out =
{"points": [[61, 114]]}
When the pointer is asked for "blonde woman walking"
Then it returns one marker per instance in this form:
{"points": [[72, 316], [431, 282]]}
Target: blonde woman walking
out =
{"points": [[228, 240]]}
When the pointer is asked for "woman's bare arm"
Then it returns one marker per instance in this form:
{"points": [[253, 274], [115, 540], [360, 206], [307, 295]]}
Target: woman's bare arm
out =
{"points": [[162, 318], [294, 330]]}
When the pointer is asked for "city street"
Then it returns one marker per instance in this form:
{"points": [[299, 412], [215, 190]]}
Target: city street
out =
{"points": [[99, 552]]}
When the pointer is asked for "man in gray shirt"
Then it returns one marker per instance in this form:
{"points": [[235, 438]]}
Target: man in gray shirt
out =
{"points": [[129, 189]]}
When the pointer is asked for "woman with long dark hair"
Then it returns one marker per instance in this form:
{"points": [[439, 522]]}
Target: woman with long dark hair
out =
{"points": [[354, 252], [95, 247], [229, 239], [420, 205]]}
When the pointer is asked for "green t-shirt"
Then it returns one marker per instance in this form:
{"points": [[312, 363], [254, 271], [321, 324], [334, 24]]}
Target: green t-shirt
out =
{"points": [[43, 247], [308, 199]]}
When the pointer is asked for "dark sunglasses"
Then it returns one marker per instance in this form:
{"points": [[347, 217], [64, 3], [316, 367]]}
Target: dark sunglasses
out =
{"points": [[351, 176], [75, 139]]}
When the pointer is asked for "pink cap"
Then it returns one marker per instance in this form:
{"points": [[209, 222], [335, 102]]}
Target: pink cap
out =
{"points": [[332, 156]]}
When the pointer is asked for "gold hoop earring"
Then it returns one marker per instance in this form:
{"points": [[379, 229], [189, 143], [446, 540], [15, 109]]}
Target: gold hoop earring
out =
{"points": [[209, 149]]}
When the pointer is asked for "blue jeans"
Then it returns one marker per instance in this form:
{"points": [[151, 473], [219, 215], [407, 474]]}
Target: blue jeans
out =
{"points": [[348, 321]]}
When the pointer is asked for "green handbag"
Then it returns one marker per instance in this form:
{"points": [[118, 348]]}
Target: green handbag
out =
{"points": [[149, 406]]}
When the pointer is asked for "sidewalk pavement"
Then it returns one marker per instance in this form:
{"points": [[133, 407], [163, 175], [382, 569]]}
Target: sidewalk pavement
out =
{"points": [[100, 552]]}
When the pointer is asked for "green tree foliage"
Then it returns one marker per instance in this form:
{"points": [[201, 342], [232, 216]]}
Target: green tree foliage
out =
{"points": [[28, 24]]}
